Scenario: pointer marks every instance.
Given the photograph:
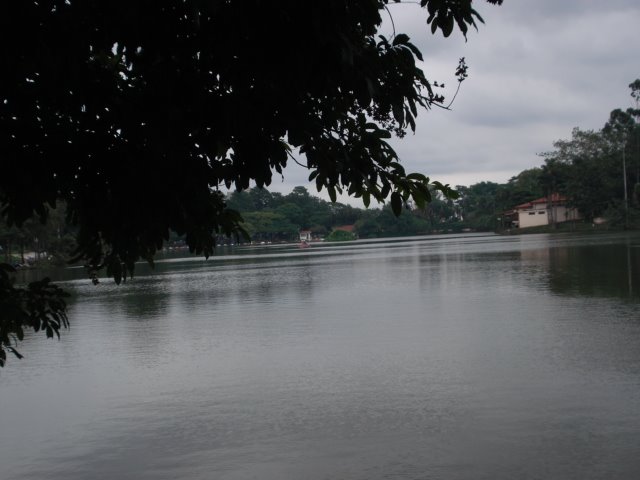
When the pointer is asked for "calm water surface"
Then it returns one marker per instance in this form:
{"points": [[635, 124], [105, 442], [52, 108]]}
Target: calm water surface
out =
{"points": [[452, 357]]}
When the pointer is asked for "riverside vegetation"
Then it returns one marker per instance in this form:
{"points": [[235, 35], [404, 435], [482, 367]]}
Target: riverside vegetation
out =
{"points": [[587, 168]]}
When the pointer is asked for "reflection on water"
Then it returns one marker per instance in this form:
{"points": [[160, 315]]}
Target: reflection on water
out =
{"points": [[445, 357], [609, 270]]}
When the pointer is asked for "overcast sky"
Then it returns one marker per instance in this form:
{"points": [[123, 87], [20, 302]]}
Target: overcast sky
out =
{"points": [[537, 69]]}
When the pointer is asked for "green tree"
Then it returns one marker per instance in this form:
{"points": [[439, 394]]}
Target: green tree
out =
{"points": [[623, 130], [261, 198], [240, 201], [634, 140], [342, 214], [368, 227], [163, 102], [524, 187], [320, 220], [135, 113], [588, 170], [440, 212], [340, 236], [269, 226], [293, 213], [306, 204], [384, 223], [478, 205]]}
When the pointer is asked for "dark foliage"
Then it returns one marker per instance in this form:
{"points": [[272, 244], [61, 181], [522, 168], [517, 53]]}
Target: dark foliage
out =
{"points": [[135, 113], [40, 306]]}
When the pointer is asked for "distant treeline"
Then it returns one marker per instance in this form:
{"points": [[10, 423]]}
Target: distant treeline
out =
{"points": [[597, 171], [276, 217]]}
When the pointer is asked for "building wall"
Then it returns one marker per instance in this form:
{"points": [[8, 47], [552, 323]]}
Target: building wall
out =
{"points": [[539, 215], [533, 217], [564, 214]]}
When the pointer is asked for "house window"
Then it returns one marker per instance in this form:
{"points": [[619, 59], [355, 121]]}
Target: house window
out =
{"points": [[532, 213], [542, 212]]}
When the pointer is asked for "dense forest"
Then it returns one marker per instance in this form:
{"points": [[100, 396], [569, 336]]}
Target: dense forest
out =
{"points": [[597, 171]]}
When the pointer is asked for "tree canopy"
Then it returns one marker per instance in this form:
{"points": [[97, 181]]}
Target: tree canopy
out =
{"points": [[597, 171], [136, 113]]}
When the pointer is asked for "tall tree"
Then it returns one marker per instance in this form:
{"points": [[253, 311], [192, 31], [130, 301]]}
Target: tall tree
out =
{"points": [[589, 170], [134, 113], [477, 205]]}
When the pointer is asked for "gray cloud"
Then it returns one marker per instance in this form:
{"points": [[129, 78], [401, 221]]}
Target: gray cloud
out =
{"points": [[537, 70]]}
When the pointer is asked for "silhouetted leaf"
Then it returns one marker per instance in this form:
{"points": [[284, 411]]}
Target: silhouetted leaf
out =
{"points": [[396, 203]]}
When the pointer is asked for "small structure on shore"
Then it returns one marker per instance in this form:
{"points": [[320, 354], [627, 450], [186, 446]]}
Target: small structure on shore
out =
{"points": [[305, 235], [543, 211]]}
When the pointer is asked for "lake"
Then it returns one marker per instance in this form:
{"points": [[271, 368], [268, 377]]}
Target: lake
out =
{"points": [[451, 357]]}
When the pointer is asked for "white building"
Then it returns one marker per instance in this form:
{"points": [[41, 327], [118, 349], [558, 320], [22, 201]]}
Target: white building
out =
{"points": [[545, 211], [305, 235]]}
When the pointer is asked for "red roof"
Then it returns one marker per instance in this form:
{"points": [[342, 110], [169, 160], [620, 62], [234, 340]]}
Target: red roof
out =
{"points": [[346, 228], [553, 198]]}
